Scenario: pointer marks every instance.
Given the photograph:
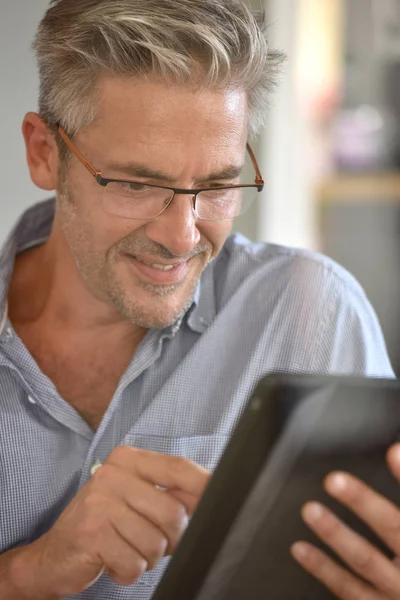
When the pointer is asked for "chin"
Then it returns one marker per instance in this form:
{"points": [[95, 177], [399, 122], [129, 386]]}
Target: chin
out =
{"points": [[151, 306], [152, 311], [155, 320]]}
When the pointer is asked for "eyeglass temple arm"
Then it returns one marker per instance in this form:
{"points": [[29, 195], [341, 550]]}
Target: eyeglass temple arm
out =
{"points": [[77, 153], [259, 178]]}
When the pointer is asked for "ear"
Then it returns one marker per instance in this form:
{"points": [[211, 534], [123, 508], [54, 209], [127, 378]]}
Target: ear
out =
{"points": [[41, 152]]}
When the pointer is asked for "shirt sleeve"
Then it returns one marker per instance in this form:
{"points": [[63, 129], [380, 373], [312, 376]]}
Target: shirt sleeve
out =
{"points": [[351, 339]]}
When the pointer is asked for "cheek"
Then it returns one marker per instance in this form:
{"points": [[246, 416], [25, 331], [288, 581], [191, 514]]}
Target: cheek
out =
{"points": [[108, 231], [85, 206]]}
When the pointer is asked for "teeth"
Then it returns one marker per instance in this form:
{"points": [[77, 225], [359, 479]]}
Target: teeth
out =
{"points": [[159, 267], [163, 267]]}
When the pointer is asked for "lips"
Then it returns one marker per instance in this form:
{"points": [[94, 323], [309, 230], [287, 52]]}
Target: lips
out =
{"points": [[159, 273]]}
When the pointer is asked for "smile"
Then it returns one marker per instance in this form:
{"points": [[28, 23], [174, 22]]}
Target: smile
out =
{"points": [[157, 266], [158, 273]]}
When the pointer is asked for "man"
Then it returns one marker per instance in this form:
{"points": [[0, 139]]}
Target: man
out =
{"points": [[133, 329]]}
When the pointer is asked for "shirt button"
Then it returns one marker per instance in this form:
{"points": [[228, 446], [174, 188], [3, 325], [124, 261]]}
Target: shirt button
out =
{"points": [[31, 400], [9, 334], [95, 467]]}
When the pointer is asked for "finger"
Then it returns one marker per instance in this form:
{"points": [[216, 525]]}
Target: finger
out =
{"points": [[123, 563], [189, 501], [380, 514], [393, 458], [163, 510], [141, 497], [339, 581], [359, 554], [171, 472], [141, 535]]}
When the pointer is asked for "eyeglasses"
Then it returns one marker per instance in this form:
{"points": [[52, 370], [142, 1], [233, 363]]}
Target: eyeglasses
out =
{"points": [[138, 200]]}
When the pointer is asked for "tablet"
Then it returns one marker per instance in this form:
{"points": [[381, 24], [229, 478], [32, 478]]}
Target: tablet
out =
{"points": [[293, 432]]}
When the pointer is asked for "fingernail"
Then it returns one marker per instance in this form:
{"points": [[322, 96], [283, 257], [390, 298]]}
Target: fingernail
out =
{"points": [[312, 512], [299, 551], [337, 482]]}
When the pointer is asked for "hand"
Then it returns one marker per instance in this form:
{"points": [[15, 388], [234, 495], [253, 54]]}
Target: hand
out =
{"points": [[120, 520], [383, 517]]}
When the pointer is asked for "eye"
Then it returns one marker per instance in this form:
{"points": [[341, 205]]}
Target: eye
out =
{"points": [[216, 184], [133, 186]]}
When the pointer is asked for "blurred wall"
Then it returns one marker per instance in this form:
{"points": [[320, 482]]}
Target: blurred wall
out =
{"points": [[18, 95]]}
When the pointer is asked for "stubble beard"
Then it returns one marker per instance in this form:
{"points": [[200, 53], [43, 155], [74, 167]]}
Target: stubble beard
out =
{"points": [[136, 312]]}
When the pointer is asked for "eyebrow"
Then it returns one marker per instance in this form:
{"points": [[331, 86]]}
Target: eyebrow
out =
{"points": [[138, 170]]}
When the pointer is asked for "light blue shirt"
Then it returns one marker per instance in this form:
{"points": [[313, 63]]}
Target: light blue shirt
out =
{"points": [[258, 309]]}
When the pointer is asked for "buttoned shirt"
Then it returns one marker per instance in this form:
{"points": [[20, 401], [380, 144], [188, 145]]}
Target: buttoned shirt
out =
{"points": [[258, 309]]}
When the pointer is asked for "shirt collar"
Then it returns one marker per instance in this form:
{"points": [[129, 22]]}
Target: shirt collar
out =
{"points": [[34, 227], [202, 312]]}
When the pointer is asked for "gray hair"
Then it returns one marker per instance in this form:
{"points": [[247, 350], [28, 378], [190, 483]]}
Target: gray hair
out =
{"points": [[80, 40]]}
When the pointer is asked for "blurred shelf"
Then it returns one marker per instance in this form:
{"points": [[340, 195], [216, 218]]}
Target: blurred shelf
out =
{"points": [[360, 188]]}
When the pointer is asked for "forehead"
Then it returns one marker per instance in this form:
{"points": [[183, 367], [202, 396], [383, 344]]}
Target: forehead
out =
{"points": [[153, 110]]}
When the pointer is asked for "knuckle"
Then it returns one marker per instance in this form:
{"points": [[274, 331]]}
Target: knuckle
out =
{"points": [[139, 568], [103, 475], [175, 528], [176, 518], [366, 562], [157, 552], [121, 453], [129, 573], [180, 516], [178, 465]]}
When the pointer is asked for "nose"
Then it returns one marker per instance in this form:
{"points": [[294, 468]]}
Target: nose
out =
{"points": [[176, 228]]}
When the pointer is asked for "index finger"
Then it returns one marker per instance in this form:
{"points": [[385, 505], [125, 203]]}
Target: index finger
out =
{"points": [[170, 472]]}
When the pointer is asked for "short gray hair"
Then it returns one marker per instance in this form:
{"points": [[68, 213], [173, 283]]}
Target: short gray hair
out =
{"points": [[80, 40]]}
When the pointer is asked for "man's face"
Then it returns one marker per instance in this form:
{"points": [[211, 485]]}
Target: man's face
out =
{"points": [[184, 135]]}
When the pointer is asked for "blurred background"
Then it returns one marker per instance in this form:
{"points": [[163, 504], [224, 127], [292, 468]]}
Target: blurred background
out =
{"points": [[330, 154]]}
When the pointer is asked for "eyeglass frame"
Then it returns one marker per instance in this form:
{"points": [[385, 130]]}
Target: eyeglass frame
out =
{"points": [[258, 182]]}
